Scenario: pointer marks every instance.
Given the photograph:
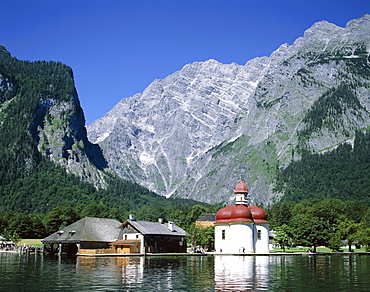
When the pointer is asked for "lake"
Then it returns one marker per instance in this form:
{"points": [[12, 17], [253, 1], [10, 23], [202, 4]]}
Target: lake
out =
{"points": [[185, 273]]}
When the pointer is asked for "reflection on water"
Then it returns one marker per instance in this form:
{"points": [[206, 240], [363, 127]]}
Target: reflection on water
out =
{"points": [[241, 273], [185, 273]]}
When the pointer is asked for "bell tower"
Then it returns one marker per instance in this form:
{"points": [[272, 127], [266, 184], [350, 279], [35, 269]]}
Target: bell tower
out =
{"points": [[241, 194]]}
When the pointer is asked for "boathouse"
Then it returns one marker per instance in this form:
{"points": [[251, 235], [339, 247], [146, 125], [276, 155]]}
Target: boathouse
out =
{"points": [[99, 236], [88, 233]]}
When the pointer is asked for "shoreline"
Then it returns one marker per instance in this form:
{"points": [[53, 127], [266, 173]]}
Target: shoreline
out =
{"points": [[223, 254]]}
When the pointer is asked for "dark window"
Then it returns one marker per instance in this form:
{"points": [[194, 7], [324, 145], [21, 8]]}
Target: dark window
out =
{"points": [[223, 234], [258, 234]]}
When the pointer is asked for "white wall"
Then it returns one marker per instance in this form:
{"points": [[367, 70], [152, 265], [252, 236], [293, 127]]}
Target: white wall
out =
{"points": [[132, 236], [262, 245], [237, 237]]}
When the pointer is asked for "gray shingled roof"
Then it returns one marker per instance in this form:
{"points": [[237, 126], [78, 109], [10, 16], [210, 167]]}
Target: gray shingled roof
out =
{"points": [[87, 229], [155, 228], [208, 217]]}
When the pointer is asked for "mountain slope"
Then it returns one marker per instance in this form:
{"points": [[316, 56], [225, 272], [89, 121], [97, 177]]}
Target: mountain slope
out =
{"points": [[196, 132], [45, 157], [40, 114]]}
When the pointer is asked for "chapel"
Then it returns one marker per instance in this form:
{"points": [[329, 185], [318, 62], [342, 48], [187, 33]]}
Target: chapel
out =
{"points": [[241, 228]]}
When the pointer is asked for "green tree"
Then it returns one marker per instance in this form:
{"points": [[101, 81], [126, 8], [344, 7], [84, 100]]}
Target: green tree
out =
{"points": [[347, 230], [335, 242], [148, 213], [60, 217], [12, 236], [282, 237], [22, 224], [206, 237], [99, 210], [363, 236], [203, 237], [308, 230]]}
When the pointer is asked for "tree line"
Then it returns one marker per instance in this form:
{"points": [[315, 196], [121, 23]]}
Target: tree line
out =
{"points": [[320, 223], [343, 173], [14, 225]]}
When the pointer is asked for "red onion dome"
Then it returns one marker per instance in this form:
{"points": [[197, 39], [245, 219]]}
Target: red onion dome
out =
{"points": [[258, 214], [241, 213], [234, 213], [224, 214], [241, 188]]}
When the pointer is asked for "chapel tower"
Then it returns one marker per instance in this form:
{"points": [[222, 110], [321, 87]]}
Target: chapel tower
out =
{"points": [[241, 228]]}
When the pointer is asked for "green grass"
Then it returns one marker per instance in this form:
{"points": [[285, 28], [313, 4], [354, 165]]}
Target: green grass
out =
{"points": [[31, 242], [319, 249]]}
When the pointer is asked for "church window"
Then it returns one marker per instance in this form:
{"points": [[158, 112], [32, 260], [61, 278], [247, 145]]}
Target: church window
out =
{"points": [[258, 234], [223, 234]]}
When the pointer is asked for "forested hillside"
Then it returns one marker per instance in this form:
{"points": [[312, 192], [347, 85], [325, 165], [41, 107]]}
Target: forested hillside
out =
{"points": [[343, 173], [45, 157]]}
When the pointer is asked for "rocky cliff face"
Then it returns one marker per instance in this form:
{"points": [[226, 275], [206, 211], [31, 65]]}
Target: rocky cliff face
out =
{"points": [[195, 133], [40, 110], [59, 129]]}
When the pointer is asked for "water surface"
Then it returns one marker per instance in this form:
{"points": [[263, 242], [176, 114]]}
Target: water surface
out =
{"points": [[185, 273]]}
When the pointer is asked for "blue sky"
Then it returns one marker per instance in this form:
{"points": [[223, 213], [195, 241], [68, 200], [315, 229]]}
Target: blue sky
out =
{"points": [[116, 48]]}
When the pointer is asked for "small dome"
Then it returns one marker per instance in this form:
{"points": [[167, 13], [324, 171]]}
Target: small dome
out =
{"points": [[241, 188], [258, 214], [234, 213]]}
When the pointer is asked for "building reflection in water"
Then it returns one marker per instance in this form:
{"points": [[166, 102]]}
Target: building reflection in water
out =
{"points": [[113, 270], [241, 273], [218, 272]]}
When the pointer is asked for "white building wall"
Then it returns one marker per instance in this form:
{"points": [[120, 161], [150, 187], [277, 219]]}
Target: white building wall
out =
{"points": [[135, 236], [262, 244], [237, 237], [241, 238], [222, 245]]}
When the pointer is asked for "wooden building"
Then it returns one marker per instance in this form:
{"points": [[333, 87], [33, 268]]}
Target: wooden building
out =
{"points": [[205, 221], [150, 237], [88, 233], [99, 236]]}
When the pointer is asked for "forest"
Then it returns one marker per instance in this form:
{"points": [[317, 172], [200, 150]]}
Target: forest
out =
{"points": [[315, 222], [15, 225], [325, 195], [38, 196], [343, 173]]}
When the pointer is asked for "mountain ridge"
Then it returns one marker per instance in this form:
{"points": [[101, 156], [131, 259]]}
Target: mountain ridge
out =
{"points": [[195, 132]]}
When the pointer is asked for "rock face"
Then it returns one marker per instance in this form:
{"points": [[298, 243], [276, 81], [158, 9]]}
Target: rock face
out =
{"points": [[40, 110], [196, 132], [59, 129]]}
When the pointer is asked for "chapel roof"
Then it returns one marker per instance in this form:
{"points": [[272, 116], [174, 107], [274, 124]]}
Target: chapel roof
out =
{"points": [[258, 214], [234, 213], [241, 212], [241, 188]]}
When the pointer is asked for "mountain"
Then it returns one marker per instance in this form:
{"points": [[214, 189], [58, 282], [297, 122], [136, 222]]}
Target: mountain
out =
{"points": [[45, 156], [197, 132], [41, 113]]}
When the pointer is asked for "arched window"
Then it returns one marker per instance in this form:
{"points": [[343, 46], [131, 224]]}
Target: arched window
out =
{"points": [[258, 234]]}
